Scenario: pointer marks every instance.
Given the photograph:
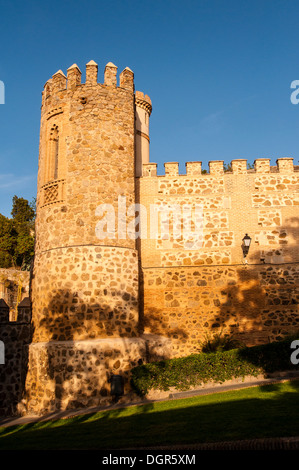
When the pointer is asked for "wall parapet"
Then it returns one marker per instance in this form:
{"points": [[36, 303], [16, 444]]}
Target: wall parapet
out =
{"points": [[284, 165], [143, 101], [61, 82]]}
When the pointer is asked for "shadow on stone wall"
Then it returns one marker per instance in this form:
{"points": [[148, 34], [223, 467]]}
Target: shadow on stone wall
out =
{"points": [[153, 321], [15, 336], [262, 304], [254, 303], [68, 316], [73, 368]]}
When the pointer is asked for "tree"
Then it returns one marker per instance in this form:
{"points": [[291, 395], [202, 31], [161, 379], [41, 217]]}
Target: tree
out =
{"points": [[17, 235], [22, 211], [8, 242]]}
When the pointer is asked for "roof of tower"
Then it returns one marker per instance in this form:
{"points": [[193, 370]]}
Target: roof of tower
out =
{"points": [[110, 64], [91, 62]]}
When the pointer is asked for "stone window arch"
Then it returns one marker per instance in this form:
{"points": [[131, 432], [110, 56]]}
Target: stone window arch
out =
{"points": [[53, 154], [47, 91]]}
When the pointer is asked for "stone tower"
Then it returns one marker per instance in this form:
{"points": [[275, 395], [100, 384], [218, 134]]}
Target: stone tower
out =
{"points": [[143, 112], [85, 301]]}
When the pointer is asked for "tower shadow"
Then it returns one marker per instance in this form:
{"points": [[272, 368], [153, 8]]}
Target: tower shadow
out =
{"points": [[76, 363]]}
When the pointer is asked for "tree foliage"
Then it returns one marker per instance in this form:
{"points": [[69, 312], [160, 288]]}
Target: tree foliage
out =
{"points": [[17, 235]]}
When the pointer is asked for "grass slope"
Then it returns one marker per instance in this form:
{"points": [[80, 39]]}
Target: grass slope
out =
{"points": [[257, 412]]}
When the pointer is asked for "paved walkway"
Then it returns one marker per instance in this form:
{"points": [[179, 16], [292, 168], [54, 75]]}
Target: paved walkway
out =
{"points": [[282, 377]]}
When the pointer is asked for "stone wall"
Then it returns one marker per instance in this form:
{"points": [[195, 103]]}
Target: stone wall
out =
{"points": [[255, 305], [15, 336], [76, 374], [192, 293], [86, 293], [66, 375]]}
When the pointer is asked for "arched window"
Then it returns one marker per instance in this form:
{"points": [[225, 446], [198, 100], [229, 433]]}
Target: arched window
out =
{"points": [[47, 91], [53, 153]]}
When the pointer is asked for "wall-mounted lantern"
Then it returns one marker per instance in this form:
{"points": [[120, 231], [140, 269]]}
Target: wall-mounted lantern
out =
{"points": [[246, 245]]}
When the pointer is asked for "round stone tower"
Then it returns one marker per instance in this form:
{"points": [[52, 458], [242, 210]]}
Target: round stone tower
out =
{"points": [[85, 305], [142, 140]]}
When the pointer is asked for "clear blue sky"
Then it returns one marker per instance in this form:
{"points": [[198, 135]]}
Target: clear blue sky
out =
{"points": [[218, 73]]}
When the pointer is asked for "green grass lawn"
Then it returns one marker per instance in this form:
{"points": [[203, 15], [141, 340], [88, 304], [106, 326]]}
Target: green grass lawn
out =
{"points": [[257, 412]]}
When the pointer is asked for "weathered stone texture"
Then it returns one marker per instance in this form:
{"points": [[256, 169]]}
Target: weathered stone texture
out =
{"points": [[191, 293], [85, 292], [196, 185], [188, 305], [65, 375], [15, 335]]}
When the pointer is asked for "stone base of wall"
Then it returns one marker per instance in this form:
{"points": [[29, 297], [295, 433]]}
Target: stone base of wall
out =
{"points": [[68, 375]]}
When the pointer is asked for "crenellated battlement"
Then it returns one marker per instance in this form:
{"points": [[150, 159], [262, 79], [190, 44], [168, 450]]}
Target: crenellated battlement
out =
{"points": [[60, 82], [284, 165], [143, 101]]}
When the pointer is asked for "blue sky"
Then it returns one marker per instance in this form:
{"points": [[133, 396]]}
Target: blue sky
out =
{"points": [[218, 73]]}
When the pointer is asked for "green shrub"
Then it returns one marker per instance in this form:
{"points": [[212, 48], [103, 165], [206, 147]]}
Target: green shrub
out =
{"points": [[196, 369], [219, 342]]}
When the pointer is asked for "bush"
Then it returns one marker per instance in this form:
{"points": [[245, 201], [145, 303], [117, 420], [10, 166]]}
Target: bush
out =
{"points": [[196, 369], [219, 342]]}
